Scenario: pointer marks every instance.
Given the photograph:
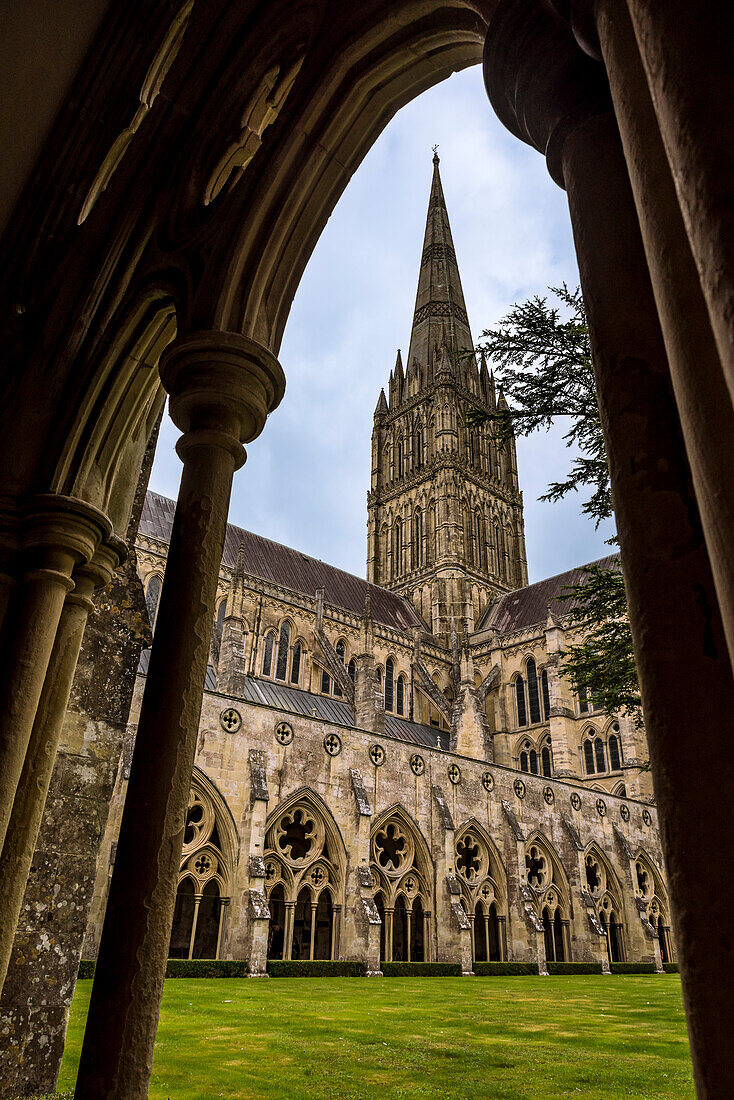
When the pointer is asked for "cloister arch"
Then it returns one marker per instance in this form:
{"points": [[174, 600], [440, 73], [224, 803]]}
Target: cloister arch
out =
{"points": [[402, 884], [604, 888], [206, 874], [548, 881], [483, 882], [305, 872], [66, 282], [652, 899]]}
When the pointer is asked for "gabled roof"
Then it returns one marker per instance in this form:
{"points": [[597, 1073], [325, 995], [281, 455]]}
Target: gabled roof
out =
{"points": [[526, 607], [289, 568]]}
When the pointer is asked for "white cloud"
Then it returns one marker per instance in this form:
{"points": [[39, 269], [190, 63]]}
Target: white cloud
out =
{"points": [[306, 478]]}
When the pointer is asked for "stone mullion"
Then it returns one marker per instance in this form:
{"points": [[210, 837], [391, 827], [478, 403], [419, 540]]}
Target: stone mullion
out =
{"points": [[221, 387], [312, 931], [194, 923]]}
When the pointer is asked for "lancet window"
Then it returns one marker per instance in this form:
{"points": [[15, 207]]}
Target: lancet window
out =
{"points": [[398, 548], [545, 693], [303, 882], [533, 697], [417, 547], [205, 875], [400, 695], [599, 756], [389, 684], [520, 707], [604, 889], [652, 900], [549, 885], [268, 651], [482, 881], [401, 876], [152, 598]]}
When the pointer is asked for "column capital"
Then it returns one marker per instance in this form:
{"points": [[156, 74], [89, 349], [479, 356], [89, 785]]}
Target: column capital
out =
{"points": [[222, 385], [538, 80], [55, 522]]}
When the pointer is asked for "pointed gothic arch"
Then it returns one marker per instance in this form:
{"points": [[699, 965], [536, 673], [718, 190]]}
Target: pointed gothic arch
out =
{"points": [[206, 873], [482, 879]]}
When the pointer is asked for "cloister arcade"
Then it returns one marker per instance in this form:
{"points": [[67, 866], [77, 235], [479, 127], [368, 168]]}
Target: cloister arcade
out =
{"points": [[402, 880], [170, 230]]}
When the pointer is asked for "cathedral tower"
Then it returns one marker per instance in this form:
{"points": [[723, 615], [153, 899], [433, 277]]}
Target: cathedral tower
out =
{"points": [[445, 521]]}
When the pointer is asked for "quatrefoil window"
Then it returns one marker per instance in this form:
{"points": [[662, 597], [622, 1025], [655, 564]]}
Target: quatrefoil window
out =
{"points": [[377, 755], [468, 857], [230, 720], [203, 864], [417, 763], [333, 744], [454, 773], [284, 733], [391, 848], [535, 866], [298, 832]]}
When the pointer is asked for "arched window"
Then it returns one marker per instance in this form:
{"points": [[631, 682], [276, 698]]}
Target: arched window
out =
{"points": [[545, 693], [325, 682], [546, 761], [533, 699], [478, 538], [528, 758], [600, 756], [401, 695], [389, 683], [268, 654], [419, 449], [615, 749], [219, 623], [152, 598], [399, 459], [281, 665], [341, 652], [583, 698], [497, 550], [398, 548], [352, 670], [522, 717], [417, 560], [296, 663], [378, 677], [472, 449], [589, 757]]}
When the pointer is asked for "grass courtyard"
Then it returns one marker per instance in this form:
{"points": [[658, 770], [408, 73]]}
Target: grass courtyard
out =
{"points": [[448, 1038]]}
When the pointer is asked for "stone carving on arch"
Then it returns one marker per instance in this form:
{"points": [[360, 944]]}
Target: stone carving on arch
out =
{"points": [[211, 844]]}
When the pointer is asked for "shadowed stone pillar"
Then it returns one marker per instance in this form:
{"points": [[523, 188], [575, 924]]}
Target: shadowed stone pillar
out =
{"points": [[59, 533], [30, 796], [222, 386], [547, 92], [704, 400]]}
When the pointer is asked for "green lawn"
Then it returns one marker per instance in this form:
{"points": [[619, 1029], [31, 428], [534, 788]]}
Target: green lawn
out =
{"points": [[447, 1038]]}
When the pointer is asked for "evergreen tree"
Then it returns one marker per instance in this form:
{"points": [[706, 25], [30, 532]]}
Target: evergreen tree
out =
{"points": [[542, 361]]}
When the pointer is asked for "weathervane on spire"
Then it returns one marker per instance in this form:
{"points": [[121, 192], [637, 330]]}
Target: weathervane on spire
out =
{"points": [[435, 154]]}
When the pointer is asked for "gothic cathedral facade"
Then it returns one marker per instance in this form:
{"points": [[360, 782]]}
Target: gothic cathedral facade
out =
{"points": [[394, 768]]}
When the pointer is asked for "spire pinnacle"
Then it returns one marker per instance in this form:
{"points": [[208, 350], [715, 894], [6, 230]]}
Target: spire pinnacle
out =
{"points": [[440, 297]]}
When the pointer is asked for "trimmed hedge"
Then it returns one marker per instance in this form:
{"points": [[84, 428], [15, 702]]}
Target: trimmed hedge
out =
{"points": [[316, 968], [206, 968], [671, 968], [420, 970], [503, 969], [575, 968], [632, 968]]}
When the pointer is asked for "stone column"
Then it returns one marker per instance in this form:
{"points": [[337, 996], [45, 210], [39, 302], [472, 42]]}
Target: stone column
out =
{"points": [[30, 796], [680, 645], [59, 533], [686, 50], [222, 386], [700, 385]]}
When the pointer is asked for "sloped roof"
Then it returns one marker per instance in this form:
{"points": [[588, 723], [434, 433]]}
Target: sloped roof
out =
{"points": [[281, 565], [525, 607], [279, 696]]}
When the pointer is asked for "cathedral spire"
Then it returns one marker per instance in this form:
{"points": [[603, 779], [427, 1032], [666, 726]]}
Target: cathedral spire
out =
{"points": [[440, 310]]}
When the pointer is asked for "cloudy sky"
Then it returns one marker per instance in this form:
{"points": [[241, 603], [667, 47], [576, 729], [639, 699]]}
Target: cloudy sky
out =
{"points": [[306, 477]]}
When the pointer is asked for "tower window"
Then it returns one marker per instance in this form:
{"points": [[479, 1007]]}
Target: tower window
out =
{"points": [[533, 700], [389, 683], [479, 540], [600, 755], [417, 558], [545, 693], [296, 663], [281, 666], [589, 757], [522, 717], [267, 668], [546, 761], [399, 459], [615, 750], [400, 693], [398, 548], [418, 449], [352, 670]]}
